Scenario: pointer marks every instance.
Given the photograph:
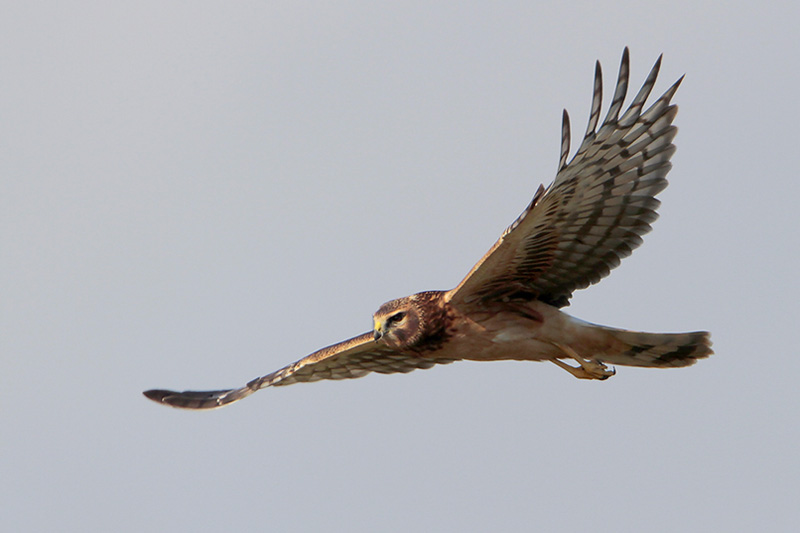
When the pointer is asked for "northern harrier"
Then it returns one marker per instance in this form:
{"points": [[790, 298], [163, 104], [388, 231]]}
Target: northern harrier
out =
{"points": [[569, 237]]}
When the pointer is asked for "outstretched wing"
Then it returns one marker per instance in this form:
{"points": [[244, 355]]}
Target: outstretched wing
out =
{"points": [[593, 214], [352, 358]]}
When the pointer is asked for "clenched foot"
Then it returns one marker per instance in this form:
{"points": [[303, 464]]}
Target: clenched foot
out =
{"points": [[589, 369]]}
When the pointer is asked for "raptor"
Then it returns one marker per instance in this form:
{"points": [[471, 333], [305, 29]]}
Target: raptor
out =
{"points": [[508, 307]]}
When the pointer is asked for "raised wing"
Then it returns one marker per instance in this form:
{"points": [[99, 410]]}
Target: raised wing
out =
{"points": [[596, 210], [352, 358]]}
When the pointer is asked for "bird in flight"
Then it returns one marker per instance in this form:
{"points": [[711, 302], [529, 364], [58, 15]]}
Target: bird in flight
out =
{"points": [[508, 306]]}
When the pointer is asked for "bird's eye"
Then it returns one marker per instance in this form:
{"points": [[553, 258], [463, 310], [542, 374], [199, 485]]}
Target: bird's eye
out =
{"points": [[397, 317]]}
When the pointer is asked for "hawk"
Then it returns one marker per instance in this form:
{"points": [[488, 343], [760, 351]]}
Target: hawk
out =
{"points": [[508, 306]]}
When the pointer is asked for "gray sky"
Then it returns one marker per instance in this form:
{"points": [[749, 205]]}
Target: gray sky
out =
{"points": [[195, 194]]}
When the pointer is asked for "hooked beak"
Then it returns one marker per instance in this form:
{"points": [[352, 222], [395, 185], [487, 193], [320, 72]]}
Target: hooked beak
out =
{"points": [[377, 329]]}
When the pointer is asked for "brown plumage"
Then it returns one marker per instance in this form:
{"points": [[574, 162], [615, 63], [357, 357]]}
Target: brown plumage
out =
{"points": [[507, 307]]}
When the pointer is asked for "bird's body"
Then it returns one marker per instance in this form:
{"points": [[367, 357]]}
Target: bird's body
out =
{"points": [[508, 307], [532, 331], [524, 334]]}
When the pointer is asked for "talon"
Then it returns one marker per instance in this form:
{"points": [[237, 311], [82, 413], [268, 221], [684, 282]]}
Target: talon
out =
{"points": [[607, 373], [589, 369]]}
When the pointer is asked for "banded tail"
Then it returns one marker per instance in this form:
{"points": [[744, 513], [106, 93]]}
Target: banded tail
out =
{"points": [[658, 349]]}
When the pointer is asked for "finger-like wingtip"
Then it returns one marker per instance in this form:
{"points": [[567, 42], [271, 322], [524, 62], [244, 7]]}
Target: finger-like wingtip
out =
{"points": [[621, 89], [565, 140], [597, 100], [667, 96], [157, 395], [190, 399], [173, 399], [657, 64]]}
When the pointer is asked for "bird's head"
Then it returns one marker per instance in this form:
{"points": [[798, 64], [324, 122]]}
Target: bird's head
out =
{"points": [[399, 323]]}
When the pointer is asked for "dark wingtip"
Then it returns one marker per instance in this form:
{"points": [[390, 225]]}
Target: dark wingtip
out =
{"points": [[190, 399], [157, 395], [667, 96]]}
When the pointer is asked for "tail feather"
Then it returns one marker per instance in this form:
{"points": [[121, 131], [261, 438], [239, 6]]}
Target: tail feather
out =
{"points": [[658, 349]]}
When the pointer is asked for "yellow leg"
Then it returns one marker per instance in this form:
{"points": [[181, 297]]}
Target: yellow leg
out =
{"points": [[587, 370]]}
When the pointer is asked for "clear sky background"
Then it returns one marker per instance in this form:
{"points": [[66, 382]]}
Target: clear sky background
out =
{"points": [[193, 194]]}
